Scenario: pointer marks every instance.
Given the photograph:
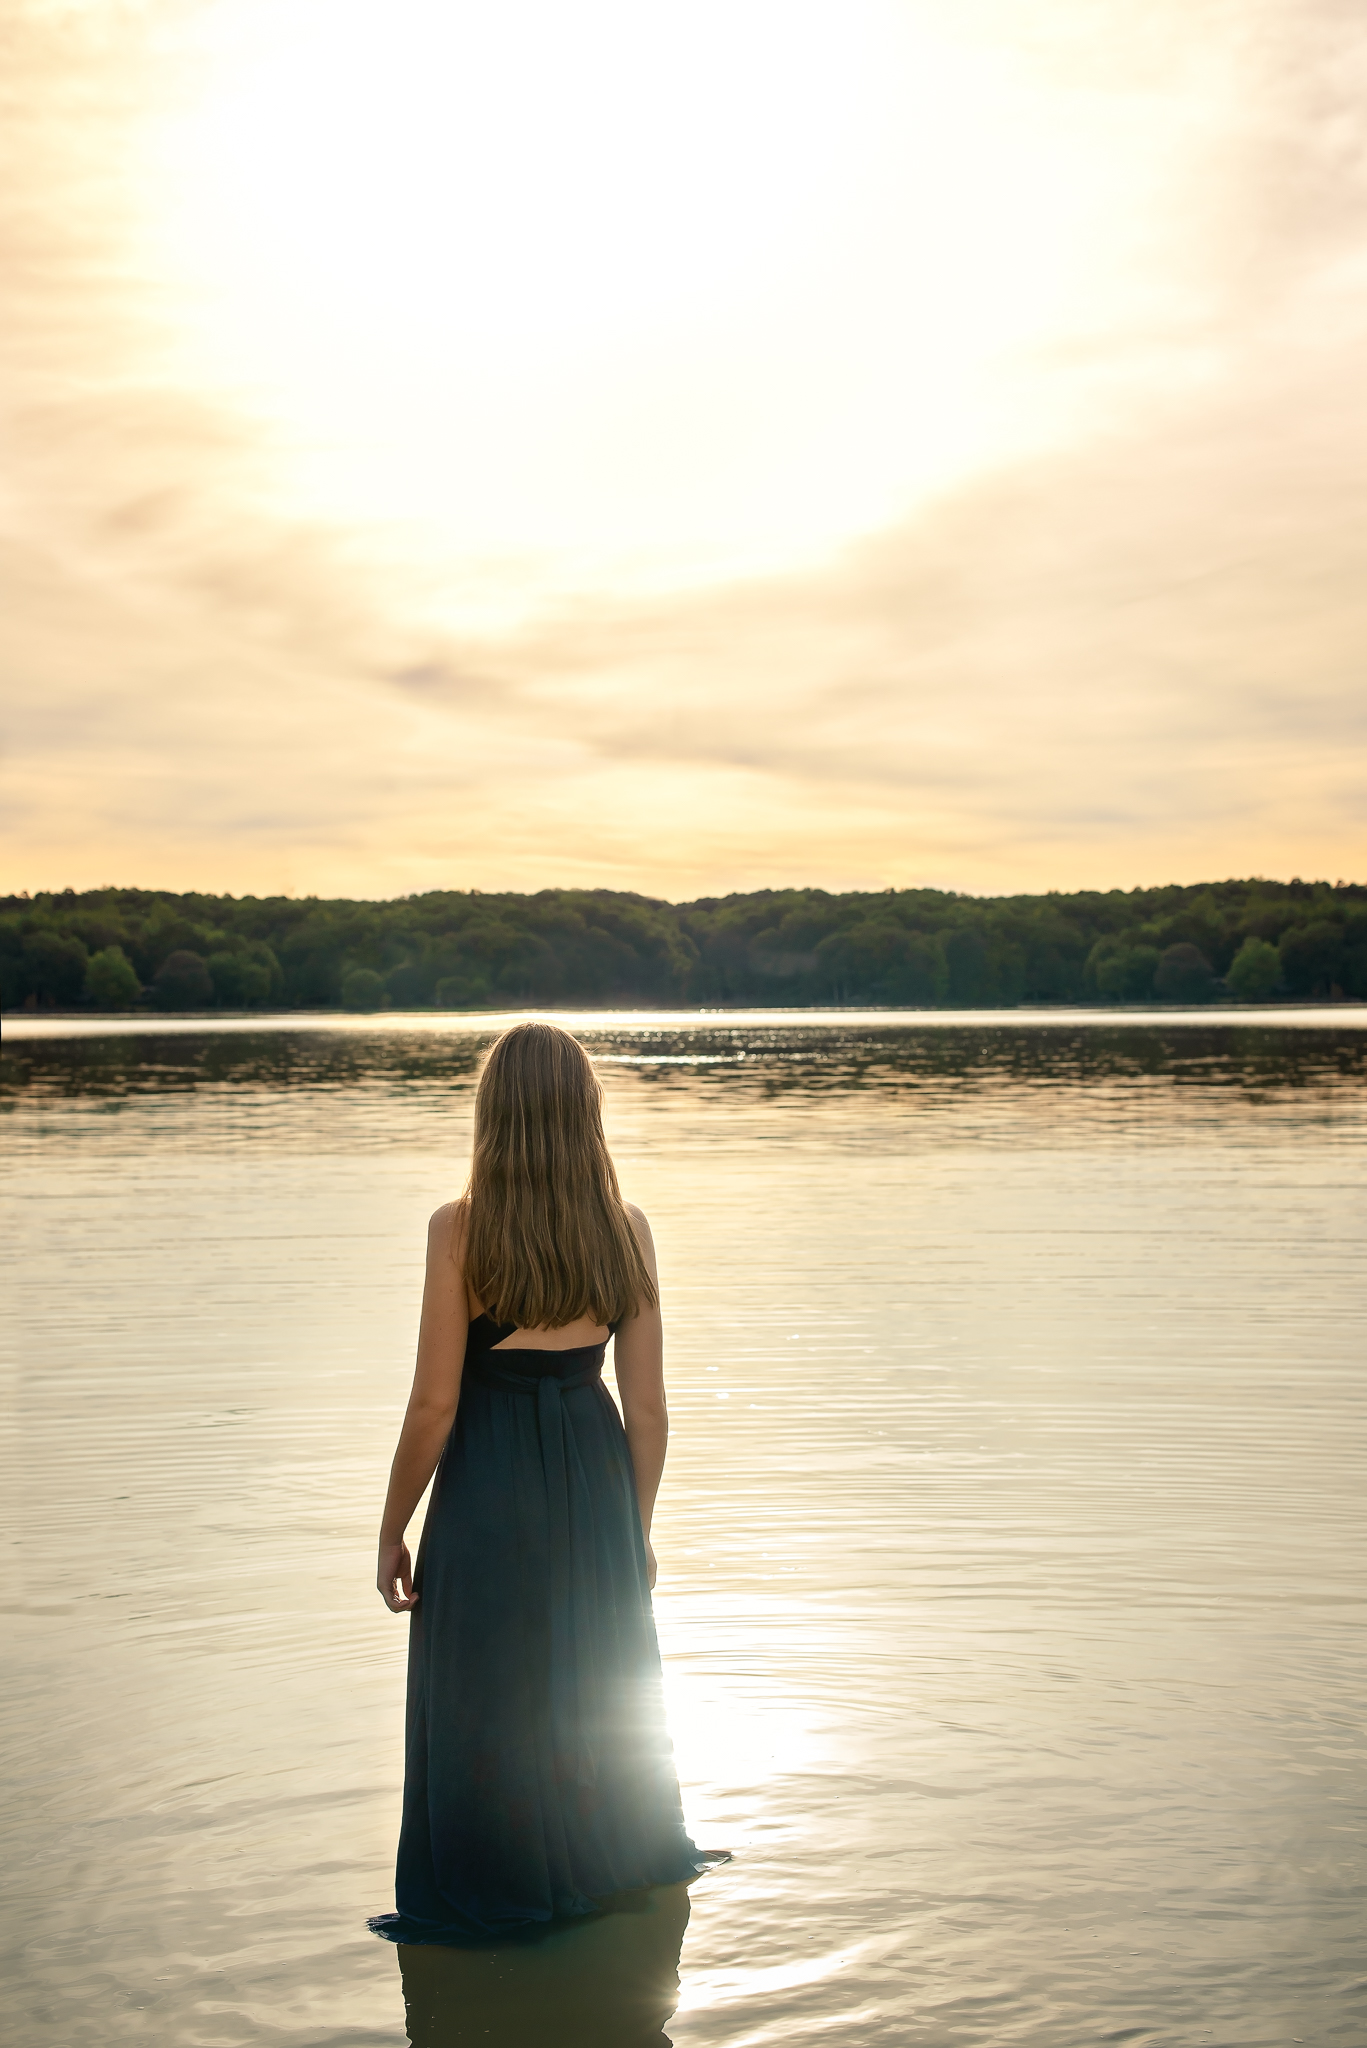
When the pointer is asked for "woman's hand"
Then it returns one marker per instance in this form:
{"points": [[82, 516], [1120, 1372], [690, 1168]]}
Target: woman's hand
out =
{"points": [[394, 1577], [650, 1563]]}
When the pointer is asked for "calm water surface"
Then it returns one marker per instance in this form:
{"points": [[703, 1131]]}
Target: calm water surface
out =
{"points": [[1011, 1542]]}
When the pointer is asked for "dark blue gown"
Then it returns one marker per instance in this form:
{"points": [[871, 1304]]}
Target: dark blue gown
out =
{"points": [[540, 1776]]}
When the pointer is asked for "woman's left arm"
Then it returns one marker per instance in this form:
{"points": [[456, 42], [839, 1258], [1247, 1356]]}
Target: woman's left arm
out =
{"points": [[432, 1403], [638, 1356]]}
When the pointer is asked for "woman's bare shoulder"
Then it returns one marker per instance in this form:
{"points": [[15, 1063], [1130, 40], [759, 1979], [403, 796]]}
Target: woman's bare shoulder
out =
{"points": [[640, 1223], [446, 1229]]}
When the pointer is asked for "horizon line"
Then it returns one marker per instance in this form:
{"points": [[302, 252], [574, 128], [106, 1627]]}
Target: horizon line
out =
{"points": [[683, 903]]}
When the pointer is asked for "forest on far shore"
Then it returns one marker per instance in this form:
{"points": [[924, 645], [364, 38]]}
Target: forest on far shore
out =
{"points": [[128, 949]]}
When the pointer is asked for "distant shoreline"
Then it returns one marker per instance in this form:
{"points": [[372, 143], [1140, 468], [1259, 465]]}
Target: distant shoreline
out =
{"points": [[1258, 945]]}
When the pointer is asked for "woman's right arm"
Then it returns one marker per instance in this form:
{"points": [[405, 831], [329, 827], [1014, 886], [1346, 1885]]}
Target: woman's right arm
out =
{"points": [[432, 1403]]}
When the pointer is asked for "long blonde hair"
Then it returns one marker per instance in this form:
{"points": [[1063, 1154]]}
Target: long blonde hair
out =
{"points": [[548, 1238]]}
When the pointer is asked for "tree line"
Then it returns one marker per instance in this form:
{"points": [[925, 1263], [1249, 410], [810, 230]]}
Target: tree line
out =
{"points": [[130, 949]]}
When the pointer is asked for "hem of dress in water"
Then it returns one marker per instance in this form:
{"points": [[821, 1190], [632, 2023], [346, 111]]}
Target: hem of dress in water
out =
{"points": [[402, 1928]]}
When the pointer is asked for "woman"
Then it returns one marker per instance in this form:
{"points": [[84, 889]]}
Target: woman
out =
{"points": [[539, 1772]]}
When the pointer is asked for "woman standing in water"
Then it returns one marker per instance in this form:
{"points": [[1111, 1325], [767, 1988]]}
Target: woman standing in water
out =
{"points": [[540, 1778]]}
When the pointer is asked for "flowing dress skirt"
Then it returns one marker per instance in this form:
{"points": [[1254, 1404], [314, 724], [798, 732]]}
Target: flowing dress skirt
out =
{"points": [[540, 1776]]}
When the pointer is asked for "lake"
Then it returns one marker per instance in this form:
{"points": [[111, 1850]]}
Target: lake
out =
{"points": [[1011, 1543]]}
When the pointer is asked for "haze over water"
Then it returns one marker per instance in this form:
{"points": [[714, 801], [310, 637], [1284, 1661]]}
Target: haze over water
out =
{"points": [[1010, 1541]]}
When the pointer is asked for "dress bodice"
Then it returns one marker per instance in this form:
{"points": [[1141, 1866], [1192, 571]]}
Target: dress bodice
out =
{"points": [[522, 1368]]}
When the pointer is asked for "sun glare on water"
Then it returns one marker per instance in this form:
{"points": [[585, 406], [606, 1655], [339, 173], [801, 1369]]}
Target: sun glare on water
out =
{"points": [[648, 292]]}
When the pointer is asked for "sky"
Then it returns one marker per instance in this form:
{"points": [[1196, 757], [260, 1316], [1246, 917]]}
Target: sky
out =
{"points": [[682, 449]]}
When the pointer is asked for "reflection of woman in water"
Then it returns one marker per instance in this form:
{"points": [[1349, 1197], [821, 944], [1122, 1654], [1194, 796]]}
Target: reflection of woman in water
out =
{"points": [[609, 1982], [540, 1778]]}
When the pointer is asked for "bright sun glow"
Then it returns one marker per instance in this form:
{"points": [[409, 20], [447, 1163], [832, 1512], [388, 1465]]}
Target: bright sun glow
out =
{"points": [[650, 291], [729, 1743]]}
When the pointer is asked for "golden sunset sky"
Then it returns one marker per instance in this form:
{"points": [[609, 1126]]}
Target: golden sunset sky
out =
{"points": [[683, 448]]}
